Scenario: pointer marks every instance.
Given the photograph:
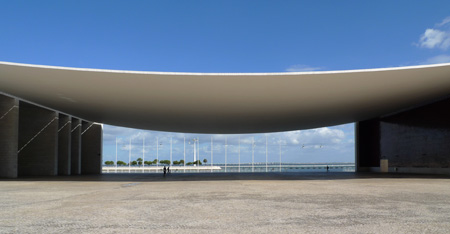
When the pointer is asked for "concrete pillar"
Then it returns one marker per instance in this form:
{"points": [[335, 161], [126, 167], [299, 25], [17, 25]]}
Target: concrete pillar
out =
{"points": [[91, 148], [9, 132], [367, 145], [38, 140], [64, 141], [75, 147]]}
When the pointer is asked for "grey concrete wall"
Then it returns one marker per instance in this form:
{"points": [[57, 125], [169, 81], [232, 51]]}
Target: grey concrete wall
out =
{"points": [[64, 142], [413, 141], [75, 146], [367, 135], [9, 133], [40, 156], [91, 148]]}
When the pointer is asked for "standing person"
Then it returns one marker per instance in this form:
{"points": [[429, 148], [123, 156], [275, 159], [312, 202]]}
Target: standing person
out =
{"points": [[328, 168], [164, 170], [168, 169]]}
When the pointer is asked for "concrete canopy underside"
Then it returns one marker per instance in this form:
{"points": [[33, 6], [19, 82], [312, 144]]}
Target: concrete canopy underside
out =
{"points": [[225, 102]]}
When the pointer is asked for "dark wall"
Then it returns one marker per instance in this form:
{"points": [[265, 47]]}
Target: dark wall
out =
{"points": [[75, 146], [368, 140], [91, 148], [9, 134], [38, 156], [417, 138]]}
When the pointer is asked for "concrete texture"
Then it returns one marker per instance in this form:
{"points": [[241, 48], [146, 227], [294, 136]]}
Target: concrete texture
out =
{"points": [[9, 133], [91, 148], [38, 156], [64, 141], [415, 140], [227, 203], [75, 155]]}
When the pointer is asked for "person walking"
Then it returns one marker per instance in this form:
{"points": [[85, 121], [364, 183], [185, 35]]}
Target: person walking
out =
{"points": [[164, 170], [168, 169]]}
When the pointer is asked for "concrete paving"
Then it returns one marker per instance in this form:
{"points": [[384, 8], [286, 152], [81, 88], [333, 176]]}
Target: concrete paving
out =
{"points": [[226, 203]]}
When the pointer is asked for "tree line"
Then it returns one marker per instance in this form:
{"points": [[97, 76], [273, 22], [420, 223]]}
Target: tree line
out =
{"points": [[139, 162]]}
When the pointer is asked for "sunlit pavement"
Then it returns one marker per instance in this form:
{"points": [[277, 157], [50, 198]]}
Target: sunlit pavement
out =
{"points": [[227, 203]]}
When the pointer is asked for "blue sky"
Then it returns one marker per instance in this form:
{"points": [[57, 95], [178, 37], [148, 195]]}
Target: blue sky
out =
{"points": [[228, 36]]}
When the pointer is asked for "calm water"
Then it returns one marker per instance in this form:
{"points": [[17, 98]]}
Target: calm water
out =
{"points": [[246, 168]]}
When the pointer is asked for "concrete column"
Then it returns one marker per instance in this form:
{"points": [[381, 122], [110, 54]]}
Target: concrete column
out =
{"points": [[64, 141], [367, 145], [75, 147], [9, 132], [38, 140], [91, 148]]}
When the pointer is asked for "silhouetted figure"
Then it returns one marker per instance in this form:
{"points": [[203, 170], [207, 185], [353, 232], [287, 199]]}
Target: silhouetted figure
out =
{"points": [[164, 170], [328, 168], [168, 169]]}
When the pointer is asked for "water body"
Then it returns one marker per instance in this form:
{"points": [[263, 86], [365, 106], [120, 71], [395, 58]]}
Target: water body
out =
{"points": [[243, 168]]}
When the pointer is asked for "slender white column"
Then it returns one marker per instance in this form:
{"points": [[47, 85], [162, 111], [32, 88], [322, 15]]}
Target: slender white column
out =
{"points": [[129, 158], [116, 154], [198, 152], [280, 155], [184, 155], [226, 146], [239, 150], [195, 149], [157, 153], [266, 154], [212, 153], [253, 154], [170, 151], [143, 154]]}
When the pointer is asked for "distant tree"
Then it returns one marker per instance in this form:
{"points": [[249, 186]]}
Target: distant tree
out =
{"points": [[148, 162], [121, 163], [197, 162], [182, 161], [139, 161], [205, 160], [176, 163], [155, 161], [167, 162], [109, 163], [134, 163]]}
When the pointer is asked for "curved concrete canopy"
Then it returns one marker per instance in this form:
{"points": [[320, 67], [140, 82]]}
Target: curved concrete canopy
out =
{"points": [[225, 102]]}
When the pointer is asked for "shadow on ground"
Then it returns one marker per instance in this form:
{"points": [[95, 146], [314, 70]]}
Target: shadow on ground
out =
{"points": [[153, 177]]}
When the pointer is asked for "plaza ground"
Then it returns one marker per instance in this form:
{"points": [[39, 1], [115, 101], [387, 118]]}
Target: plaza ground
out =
{"points": [[227, 203]]}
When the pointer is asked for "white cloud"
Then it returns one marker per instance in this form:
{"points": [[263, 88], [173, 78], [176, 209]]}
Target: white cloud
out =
{"points": [[434, 38], [302, 68], [444, 22], [438, 37], [315, 137], [443, 58]]}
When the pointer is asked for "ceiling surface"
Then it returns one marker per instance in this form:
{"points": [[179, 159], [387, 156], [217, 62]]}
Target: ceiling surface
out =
{"points": [[225, 102]]}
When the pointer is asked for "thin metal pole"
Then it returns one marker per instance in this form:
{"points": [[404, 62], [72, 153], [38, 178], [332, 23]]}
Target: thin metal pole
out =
{"points": [[157, 154], [212, 153], [129, 159], [195, 148], [253, 154], [198, 158], [239, 150], [143, 154], [170, 151], [280, 156], [184, 155], [116, 154], [226, 147], [266, 154]]}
